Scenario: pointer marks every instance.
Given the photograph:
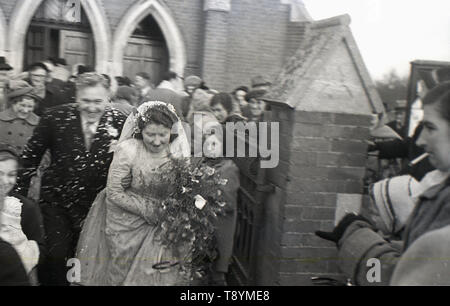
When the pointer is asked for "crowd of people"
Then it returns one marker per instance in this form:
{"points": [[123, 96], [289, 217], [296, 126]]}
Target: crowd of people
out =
{"points": [[86, 158], [66, 143]]}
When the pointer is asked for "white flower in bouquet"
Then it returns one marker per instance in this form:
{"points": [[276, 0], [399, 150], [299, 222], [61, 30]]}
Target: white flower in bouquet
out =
{"points": [[185, 190], [200, 202], [113, 132], [210, 171], [223, 182], [222, 204]]}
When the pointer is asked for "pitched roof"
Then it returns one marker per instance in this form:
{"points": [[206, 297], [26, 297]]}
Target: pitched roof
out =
{"points": [[327, 73]]}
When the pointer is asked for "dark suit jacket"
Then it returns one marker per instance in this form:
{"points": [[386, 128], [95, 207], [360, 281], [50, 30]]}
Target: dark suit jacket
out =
{"points": [[57, 93], [75, 175]]}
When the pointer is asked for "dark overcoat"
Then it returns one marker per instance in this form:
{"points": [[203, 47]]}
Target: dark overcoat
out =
{"points": [[76, 175]]}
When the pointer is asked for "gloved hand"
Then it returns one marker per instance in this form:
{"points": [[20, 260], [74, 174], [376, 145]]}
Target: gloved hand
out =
{"points": [[339, 230]]}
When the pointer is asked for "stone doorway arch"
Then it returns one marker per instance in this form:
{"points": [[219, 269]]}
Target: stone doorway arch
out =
{"points": [[21, 18], [172, 35]]}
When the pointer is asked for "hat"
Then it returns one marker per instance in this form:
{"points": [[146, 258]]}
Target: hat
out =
{"points": [[61, 61], [25, 91], [201, 100], [260, 81], [125, 92], [193, 80], [255, 94], [144, 75], [4, 65], [394, 200], [84, 69], [167, 96], [4, 147], [241, 88], [400, 104]]}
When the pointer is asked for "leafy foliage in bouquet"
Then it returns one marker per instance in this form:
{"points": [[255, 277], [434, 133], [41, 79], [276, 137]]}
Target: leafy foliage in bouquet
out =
{"points": [[186, 218]]}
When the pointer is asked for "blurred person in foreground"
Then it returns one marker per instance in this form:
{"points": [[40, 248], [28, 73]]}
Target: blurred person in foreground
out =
{"points": [[20, 218], [423, 255]]}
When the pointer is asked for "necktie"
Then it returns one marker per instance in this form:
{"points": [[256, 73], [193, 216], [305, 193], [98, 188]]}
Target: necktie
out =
{"points": [[89, 134]]}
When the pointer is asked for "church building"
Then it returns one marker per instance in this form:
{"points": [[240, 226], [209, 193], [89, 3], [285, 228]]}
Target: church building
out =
{"points": [[226, 42]]}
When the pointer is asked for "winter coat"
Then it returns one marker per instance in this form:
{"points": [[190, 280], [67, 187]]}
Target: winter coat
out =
{"points": [[426, 227], [12, 272], [226, 225], [16, 131], [76, 175]]}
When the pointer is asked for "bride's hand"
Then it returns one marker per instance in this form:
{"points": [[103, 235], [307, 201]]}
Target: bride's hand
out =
{"points": [[126, 181], [150, 215]]}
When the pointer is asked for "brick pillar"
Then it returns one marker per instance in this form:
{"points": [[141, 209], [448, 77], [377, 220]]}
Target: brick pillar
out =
{"points": [[321, 170], [215, 42]]}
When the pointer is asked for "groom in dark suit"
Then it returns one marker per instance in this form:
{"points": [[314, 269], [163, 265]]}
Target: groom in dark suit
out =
{"points": [[79, 137]]}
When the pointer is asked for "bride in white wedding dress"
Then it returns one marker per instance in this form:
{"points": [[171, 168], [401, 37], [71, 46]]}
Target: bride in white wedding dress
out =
{"points": [[118, 245]]}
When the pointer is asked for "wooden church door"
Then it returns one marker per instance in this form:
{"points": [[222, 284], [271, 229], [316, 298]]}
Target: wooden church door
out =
{"points": [[77, 47], [145, 55]]}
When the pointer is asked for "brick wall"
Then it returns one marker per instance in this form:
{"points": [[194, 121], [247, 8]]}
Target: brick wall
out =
{"points": [[257, 36], [214, 60], [257, 39], [188, 15], [322, 155]]}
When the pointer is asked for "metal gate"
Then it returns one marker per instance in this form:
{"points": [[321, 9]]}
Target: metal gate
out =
{"points": [[247, 246]]}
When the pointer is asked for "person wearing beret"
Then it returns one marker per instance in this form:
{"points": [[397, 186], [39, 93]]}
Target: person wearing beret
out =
{"points": [[18, 122], [254, 111], [21, 223], [4, 82], [422, 257]]}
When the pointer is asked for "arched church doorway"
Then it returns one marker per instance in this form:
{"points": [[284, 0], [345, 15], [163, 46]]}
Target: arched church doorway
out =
{"points": [[146, 51], [60, 29]]}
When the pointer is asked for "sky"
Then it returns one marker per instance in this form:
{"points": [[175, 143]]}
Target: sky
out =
{"points": [[392, 33]]}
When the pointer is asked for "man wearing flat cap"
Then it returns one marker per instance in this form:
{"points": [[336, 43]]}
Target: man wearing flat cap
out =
{"points": [[254, 111]]}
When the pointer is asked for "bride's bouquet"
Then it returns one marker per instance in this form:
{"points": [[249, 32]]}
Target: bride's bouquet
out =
{"points": [[186, 219]]}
